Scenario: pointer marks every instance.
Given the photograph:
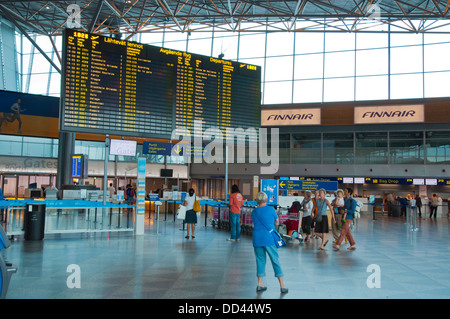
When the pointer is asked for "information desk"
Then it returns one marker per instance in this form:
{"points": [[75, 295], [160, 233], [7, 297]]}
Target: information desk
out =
{"points": [[70, 216]]}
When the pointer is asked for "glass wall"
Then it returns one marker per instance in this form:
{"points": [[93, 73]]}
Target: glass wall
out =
{"points": [[437, 146], [415, 147], [297, 67], [338, 148], [406, 148], [371, 148]]}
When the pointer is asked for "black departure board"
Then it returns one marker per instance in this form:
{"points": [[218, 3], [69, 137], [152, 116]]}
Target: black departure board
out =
{"points": [[112, 86]]}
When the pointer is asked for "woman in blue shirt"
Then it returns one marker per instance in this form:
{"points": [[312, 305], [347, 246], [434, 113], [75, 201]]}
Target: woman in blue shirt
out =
{"points": [[264, 219], [349, 211]]}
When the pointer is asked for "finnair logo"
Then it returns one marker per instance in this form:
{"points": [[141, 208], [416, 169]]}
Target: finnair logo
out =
{"points": [[281, 117], [389, 114], [278, 117]]}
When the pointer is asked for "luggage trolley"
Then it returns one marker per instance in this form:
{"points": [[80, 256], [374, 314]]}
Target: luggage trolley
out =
{"points": [[246, 217], [290, 224], [221, 217]]}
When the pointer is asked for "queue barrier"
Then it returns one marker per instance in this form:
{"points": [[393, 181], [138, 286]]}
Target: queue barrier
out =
{"points": [[69, 216]]}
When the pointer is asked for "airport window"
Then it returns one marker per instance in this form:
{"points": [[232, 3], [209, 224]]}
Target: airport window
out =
{"points": [[406, 86], [437, 147], [279, 68], [338, 89], [252, 45], [371, 148], [372, 40], [338, 148], [277, 92], [436, 57], [285, 149], [372, 62], [338, 66], [308, 91], [436, 84], [406, 148], [308, 42], [339, 41], [200, 46], [273, 44], [308, 66], [406, 59], [372, 88], [307, 148], [228, 46]]}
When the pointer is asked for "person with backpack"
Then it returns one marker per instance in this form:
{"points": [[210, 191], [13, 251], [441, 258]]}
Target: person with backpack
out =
{"points": [[349, 211], [235, 204], [130, 194]]}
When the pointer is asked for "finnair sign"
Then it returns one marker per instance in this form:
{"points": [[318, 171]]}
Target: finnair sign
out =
{"points": [[389, 114], [284, 117]]}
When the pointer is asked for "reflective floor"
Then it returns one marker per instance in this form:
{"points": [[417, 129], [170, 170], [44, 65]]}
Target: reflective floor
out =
{"points": [[390, 262]]}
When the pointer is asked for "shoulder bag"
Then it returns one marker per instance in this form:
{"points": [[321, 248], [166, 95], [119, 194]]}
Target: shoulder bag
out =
{"points": [[319, 211], [197, 208]]}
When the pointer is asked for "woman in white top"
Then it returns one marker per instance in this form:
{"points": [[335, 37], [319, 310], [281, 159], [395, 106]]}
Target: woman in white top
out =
{"points": [[191, 216], [307, 207]]}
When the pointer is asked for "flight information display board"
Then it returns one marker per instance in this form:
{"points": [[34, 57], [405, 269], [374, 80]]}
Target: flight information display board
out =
{"points": [[112, 86]]}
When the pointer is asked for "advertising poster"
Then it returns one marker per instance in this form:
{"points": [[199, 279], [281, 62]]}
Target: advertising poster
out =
{"points": [[29, 114]]}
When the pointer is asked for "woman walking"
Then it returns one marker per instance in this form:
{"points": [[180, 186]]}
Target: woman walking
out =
{"points": [[307, 207], [236, 201], [321, 229], [264, 219], [349, 211], [191, 215]]}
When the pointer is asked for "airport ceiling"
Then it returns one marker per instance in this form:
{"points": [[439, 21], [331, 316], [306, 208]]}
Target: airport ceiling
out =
{"points": [[130, 17]]}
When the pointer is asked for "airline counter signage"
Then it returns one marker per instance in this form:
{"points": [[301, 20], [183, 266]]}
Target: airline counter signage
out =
{"points": [[307, 185], [389, 114], [284, 117]]}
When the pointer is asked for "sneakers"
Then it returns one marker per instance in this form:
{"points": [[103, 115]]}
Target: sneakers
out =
{"points": [[229, 239]]}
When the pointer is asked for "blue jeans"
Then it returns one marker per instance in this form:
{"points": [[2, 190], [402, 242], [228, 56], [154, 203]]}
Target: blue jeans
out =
{"points": [[235, 221], [260, 254]]}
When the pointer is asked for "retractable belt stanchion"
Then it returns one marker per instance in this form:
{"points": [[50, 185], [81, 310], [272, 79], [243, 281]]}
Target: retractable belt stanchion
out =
{"points": [[157, 204]]}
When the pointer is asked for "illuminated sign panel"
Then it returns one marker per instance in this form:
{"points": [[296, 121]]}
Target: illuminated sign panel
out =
{"points": [[132, 89], [284, 117], [123, 147], [389, 114]]}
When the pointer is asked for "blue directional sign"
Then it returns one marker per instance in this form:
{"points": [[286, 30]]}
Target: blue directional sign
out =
{"points": [[157, 148], [307, 185], [174, 149], [177, 150]]}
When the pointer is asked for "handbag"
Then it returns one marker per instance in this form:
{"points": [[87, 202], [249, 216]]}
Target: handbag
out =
{"points": [[197, 208], [318, 218], [181, 212], [277, 238]]}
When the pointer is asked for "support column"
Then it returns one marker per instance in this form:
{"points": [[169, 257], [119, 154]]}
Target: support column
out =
{"points": [[66, 149]]}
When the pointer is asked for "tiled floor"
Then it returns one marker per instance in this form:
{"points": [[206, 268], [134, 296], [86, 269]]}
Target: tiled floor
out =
{"points": [[121, 265]]}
